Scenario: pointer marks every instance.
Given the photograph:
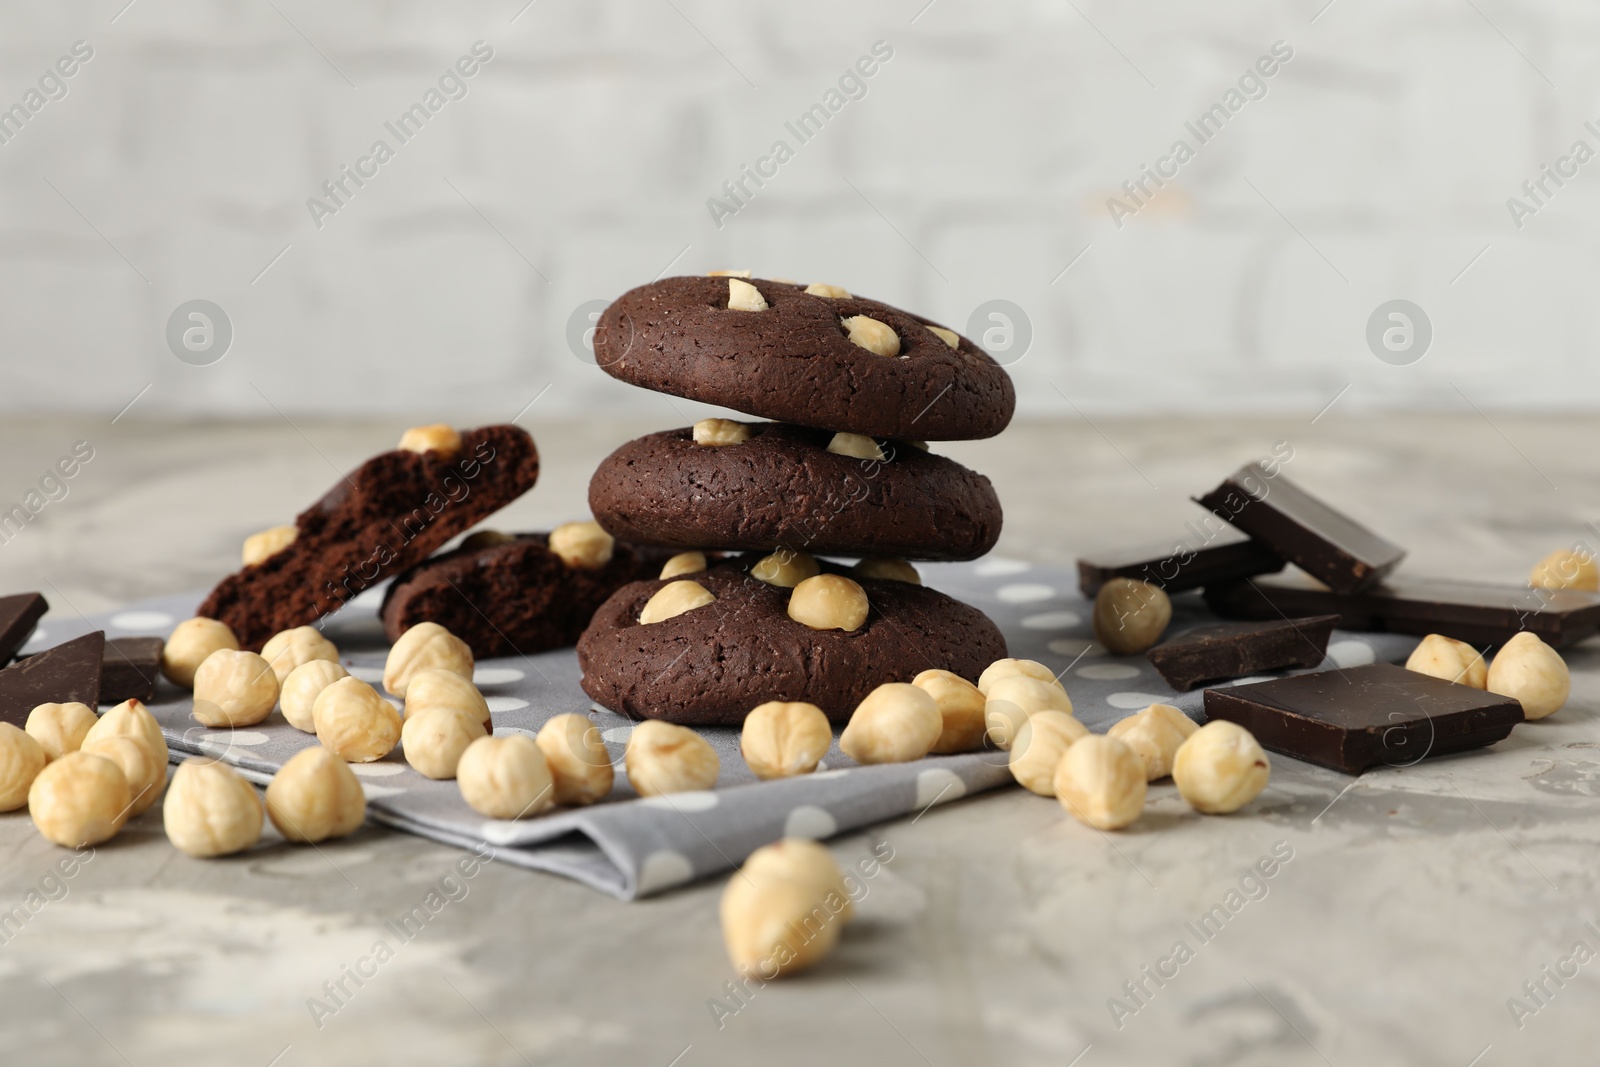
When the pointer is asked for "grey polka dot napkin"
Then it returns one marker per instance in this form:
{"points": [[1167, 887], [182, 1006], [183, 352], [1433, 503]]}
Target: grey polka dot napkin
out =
{"points": [[632, 847]]}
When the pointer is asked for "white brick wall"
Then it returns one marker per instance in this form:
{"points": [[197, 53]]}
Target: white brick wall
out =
{"points": [[990, 142]]}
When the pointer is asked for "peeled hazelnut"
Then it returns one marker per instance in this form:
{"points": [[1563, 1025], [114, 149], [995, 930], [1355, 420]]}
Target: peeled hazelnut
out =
{"points": [[1101, 782], [874, 336], [485, 539], [583, 545], [1012, 698], [1454, 661], [1039, 745], [949, 337], [315, 796], [131, 719], [960, 708], [577, 758], [683, 563], [742, 296], [439, 688], [355, 722], [673, 599], [1568, 568], [719, 432], [289, 649], [663, 758], [823, 289], [1028, 668], [21, 760], [1130, 616], [300, 689], [146, 776], [191, 642], [1220, 768], [59, 728], [1155, 735], [80, 799], [856, 446], [829, 602], [893, 570], [267, 543], [896, 723], [505, 777], [782, 739], [786, 568], [210, 810], [425, 646], [727, 274], [433, 740], [1532, 672], [439, 437], [784, 909], [234, 689]]}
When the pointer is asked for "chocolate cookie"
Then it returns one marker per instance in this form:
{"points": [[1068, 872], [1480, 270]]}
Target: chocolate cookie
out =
{"points": [[783, 487], [711, 665], [794, 361], [389, 514], [514, 598]]}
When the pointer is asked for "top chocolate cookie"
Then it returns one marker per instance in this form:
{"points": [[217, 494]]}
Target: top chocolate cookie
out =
{"points": [[830, 362]]}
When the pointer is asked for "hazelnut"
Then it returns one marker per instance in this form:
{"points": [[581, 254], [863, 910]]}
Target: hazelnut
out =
{"points": [[786, 568], [439, 437], [1101, 782], [856, 446], [191, 642], [683, 563], [823, 289], [266, 544], [782, 739], [582, 545], [423, 647], [439, 688], [1531, 671], [1452, 660], [1568, 568], [1041, 741], [59, 728], [829, 602], [742, 296], [80, 799], [289, 649], [673, 599], [949, 337], [887, 569], [1130, 616], [898, 722], [727, 274], [131, 719], [234, 689], [1155, 735], [505, 777], [300, 689], [1220, 768], [960, 707], [21, 760], [355, 722], [210, 810], [579, 763], [718, 432], [1012, 698], [874, 336], [433, 740], [784, 909], [1028, 668], [315, 796], [478, 539], [146, 775], [664, 758]]}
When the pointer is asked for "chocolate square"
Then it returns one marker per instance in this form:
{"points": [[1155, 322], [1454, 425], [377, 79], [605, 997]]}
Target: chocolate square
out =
{"points": [[1223, 651]]}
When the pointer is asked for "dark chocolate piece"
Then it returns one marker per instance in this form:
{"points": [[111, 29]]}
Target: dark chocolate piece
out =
{"points": [[18, 616], [68, 673], [1369, 716], [1478, 613], [1175, 565], [129, 669], [1226, 650], [1326, 544]]}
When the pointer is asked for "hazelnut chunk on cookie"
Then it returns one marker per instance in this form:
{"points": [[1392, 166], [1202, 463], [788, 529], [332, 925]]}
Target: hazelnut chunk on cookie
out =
{"points": [[742, 296], [874, 336]]}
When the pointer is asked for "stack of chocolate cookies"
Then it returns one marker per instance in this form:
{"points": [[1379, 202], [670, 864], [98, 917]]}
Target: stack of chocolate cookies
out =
{"points": [[857, 389]]}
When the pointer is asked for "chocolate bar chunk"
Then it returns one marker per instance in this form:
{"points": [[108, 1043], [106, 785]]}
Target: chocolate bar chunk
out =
{"points": [[1370, 716], [1175, 565], [129, 668], [1226, 650], [1329, 546], [18, 616], [68, 673], [1478, 613]]}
